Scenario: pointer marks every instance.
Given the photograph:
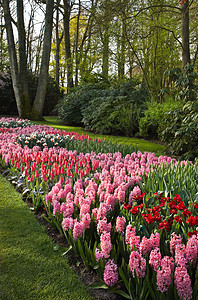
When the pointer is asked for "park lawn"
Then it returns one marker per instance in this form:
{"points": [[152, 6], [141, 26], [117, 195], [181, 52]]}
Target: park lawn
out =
{"points": [[31, 267], [142, 145]]}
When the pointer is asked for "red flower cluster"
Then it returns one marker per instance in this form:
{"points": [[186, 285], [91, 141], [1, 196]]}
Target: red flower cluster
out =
{"points": [[139, 197], [158, 213], [190, 234], [192, 221], [166, 224]]}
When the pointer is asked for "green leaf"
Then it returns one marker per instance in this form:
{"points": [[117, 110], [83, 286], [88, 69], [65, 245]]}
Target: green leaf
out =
{"points": [[68, 249], [98, 285], [151, 291], [56, 247], [25, 191], [123, 294], [122, 275], [81, 252]]}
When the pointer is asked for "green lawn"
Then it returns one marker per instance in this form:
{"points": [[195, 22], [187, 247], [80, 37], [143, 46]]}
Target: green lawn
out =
{"points": [[30, 268], [142, 145]]}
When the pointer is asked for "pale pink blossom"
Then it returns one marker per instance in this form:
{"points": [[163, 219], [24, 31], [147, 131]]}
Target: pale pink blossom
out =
{"points": [[86, 220], [192, 250], [163, 279], [103, 226], [98, 254], [145, 246]]}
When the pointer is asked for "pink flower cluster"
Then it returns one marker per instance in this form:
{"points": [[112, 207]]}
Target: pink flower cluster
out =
{"points": [[110, 273], [183, 257]]}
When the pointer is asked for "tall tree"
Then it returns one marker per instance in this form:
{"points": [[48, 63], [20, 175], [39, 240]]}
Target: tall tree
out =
{"points": [[67, 12], [19, 70], [185, 33], [37, 109], [22, 100]]}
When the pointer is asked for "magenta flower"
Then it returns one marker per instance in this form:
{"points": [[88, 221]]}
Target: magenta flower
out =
{"points": [[138, 264], [120, 224], [110, 273], [183, 283], [105, 243], [163, 279], [77, 230], [67, 223], [155, 259]]}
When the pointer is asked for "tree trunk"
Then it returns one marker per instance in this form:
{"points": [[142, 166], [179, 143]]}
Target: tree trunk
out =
{"points": [[37, 108], [105, 52], [57, 45], [121, 53], [21, 99], [22, 56], [185, 34], [67, 8], [76, 45]]}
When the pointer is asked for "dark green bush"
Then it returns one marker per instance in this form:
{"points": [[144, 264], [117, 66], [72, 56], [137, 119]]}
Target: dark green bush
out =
{"points": [[181, 130], [181, 125], [152, 123], [71, 106], [7, 98], [113, 110]]}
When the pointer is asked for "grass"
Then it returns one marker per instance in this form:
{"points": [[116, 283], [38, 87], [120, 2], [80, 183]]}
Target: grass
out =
{"points": [[30, 267], [142, 145]]}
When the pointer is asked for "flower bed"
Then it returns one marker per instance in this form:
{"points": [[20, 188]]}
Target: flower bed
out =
{"points": [[132, 218]]}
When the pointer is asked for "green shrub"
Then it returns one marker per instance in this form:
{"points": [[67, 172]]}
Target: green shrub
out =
{"points": [[112, 110], [181, 130], [181, 124], [7, 98], [152, 124], [117, 111], [183, 83], [71, 106]]}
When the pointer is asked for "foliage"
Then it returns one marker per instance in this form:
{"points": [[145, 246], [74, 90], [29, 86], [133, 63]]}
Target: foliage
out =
{"points": [[185, 83], [152, 123], [71, 106], [181, 130], [115, 110], [142, 144], [7, 98]]}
